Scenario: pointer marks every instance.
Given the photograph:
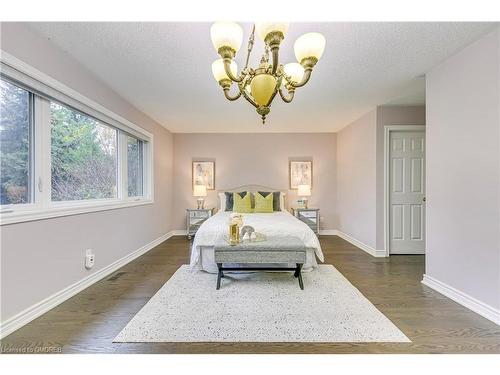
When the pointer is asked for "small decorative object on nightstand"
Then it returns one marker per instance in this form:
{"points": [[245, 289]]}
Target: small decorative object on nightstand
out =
{"points": [[310, 216], [200, 191], [196, 217]]}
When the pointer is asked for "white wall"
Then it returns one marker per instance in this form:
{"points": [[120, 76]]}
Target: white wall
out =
{"points": [[42, 257], [256, 159], [356, 179], [463, 177]]}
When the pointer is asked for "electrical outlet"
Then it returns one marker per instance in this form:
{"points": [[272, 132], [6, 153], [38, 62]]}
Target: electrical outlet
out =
{"points": [[89, 259]]}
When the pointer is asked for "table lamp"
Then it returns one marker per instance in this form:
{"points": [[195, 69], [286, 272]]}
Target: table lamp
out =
{"points": [[200, 191], [304, 191]]}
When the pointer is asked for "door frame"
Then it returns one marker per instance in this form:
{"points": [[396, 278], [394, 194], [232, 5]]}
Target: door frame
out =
{"points": [[387, 134]]}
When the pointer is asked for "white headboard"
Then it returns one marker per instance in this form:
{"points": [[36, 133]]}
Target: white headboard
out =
{"points": [[251, 189]]}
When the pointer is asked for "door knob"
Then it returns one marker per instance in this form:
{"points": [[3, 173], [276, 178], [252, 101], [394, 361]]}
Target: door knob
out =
{"points": [[423, 199]]}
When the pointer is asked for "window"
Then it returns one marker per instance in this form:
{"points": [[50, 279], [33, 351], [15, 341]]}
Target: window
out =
{"points": [[83, 155], [15, 144], [134, 167], [62, 154]]}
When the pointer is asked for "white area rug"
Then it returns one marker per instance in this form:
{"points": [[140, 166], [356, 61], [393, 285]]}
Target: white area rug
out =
{"points": [[260, 307]]}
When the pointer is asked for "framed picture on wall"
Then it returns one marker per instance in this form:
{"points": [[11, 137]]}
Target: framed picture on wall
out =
{"points": [[204, 174], [300, 173]]}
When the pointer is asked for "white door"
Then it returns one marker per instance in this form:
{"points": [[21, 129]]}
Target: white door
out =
{"points": [[407, 192]]}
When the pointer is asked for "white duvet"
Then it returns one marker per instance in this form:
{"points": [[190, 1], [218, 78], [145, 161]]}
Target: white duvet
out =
{"points": [[276, 224]]}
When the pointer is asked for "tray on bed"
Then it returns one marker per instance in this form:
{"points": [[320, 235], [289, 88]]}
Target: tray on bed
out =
{"points": [[259, 237]]}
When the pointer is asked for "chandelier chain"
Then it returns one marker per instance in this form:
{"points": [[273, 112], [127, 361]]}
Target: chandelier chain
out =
{"points": [[250, 46]]}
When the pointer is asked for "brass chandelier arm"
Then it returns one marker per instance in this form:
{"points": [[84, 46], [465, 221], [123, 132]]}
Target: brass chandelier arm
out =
{"points": [[226, 86], [273, 40], [287, 99], [227, 65], [305, 79], [275, 52], [229, 97], [308, 63]]}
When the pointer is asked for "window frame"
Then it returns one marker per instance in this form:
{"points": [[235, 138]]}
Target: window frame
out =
{"points": [[141, 163], [43, 89], [31, 155]]}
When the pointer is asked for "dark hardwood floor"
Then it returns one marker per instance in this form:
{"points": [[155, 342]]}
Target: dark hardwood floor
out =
{"points": [[88, 322]]}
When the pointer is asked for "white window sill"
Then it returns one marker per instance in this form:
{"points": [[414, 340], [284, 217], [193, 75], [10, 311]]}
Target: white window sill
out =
{"points": [[67, 209]]}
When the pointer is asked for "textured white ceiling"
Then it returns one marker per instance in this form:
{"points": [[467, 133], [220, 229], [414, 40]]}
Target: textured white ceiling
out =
{"points": [[164, 69]]}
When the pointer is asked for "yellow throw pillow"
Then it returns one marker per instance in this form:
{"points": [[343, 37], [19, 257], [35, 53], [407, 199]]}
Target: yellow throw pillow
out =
{"points": [[242, 205], [263, 204]]}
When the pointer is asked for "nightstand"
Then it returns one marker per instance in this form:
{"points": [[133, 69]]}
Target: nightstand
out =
{"points": [[310, 216], [196, 217]]}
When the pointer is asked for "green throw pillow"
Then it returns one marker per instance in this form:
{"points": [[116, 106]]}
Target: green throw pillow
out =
{"points": [[263, 204], [242, 205]]}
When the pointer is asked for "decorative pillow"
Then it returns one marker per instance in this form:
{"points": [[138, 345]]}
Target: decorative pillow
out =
{"points": [[222, 199], [276, 199], [263, 204], [242, 203], [229, 199]]}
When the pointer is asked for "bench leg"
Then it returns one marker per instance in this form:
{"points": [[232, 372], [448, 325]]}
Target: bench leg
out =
{"points": [[298, 274], [219, 275]]}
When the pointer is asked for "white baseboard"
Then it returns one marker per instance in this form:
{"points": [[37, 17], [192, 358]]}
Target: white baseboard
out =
{"points": [[24, 317], [328, 232], [463, 299], [370, 250], [180, 232]]}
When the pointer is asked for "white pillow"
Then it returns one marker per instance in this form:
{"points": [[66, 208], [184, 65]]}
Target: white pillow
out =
{"points": [[222, 200], [282, 202]]}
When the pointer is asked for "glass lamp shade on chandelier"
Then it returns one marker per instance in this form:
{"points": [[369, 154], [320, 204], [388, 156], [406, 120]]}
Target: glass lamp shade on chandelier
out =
{"points": [[259, 86]]}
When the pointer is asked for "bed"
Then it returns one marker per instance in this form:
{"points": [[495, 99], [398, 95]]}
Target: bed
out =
{"points": [[276, 224]]}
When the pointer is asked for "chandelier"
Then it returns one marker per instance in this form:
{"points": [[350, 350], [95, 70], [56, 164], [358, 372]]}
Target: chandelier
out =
{"points": [[259, 86]]}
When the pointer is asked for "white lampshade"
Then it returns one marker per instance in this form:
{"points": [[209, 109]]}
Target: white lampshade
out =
{"points": [[304, 191], [226, 34], [309, 45], [295, 71], [219, 72], [264, 28], [199, 191]]}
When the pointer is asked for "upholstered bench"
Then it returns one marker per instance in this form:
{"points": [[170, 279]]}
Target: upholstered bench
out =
{"points": [[274, 250]]}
